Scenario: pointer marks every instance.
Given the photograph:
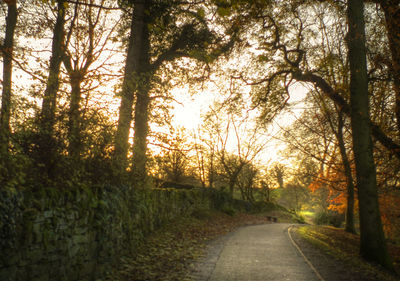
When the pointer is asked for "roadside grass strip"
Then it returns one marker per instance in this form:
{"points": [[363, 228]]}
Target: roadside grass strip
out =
{"points": [[345, 247], [305, 258]]}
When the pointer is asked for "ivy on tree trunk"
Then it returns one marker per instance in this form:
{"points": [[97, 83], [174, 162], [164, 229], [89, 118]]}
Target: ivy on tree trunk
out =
{"points": [[7, 52], [132, 68], [47, 114]]}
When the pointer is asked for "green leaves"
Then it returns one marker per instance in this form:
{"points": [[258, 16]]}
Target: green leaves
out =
{"points": [[263, 58], [201, 13], [223, 11]]}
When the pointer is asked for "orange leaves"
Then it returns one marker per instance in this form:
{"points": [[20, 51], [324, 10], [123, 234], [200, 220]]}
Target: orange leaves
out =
{"points": [[335, 183], [390, 213], [314, 185]]}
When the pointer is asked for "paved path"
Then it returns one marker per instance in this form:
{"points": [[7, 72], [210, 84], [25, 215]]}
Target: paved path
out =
{"points": [[255, 253]]}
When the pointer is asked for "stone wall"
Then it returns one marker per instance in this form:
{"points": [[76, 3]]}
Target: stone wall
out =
{"points": [[80, 234]]}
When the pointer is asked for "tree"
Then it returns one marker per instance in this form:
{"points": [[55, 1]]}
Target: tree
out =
{"points": [[7, 49], [206, 146], [324, 139], [334, 115], [266, 190], [298, 59], [68, 79], [349, 227], [372, 240], [238, 142], [293, 196], [247, 180], [278, 173], [201, 160], [161, 32], [135, 67], [85, 42], [46, 142], [42, 132], [283, 36], [391, 9], [336, 69], [174, 159]]}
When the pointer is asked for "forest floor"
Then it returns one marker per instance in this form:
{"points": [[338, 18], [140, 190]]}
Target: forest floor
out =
{"points": [[170, 252]]}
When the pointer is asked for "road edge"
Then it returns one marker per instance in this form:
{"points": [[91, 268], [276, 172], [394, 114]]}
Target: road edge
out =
{"points": [[303, 255]]}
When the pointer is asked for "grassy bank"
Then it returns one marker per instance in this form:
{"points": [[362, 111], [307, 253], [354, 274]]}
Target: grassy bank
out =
{"points": [[345, 246]]}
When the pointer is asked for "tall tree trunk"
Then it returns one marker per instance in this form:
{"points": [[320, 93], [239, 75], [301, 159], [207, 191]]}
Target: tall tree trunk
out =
{"points": [[242, 192], [47, 115], [392, 18], [77, 68], [74, 124], [132, 68], [211, 171], [7, 52], [141, 127], [349, 224], [232, 181], [372, 240]]}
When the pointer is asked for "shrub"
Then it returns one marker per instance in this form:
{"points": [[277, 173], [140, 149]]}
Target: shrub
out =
{"points": [[298, 218], [201, 213], [229, 210], [328, 218]]}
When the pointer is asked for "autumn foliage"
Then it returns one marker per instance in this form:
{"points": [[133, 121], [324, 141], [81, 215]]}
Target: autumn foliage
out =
{"points": [[335, 182], [389, 201], [390, 211]]}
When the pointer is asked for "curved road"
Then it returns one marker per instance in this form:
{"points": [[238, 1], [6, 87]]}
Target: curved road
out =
{"points": [[256, 253]]}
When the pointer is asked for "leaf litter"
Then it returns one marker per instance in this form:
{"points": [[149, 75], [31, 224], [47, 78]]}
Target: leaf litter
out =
{"points": [[168, 253]]}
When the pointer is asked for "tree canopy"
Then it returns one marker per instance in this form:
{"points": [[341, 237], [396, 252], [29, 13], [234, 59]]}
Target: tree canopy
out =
{"points": [[88, 87]]}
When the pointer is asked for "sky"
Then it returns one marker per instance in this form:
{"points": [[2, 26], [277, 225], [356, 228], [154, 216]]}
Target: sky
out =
{"points": [[188, 114]]}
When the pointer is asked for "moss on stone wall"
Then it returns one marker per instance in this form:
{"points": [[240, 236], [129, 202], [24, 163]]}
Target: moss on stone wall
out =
{"points": [[80, 233]]}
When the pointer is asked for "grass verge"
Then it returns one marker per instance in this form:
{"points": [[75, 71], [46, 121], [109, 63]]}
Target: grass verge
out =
{"points": [[345, 246]]}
